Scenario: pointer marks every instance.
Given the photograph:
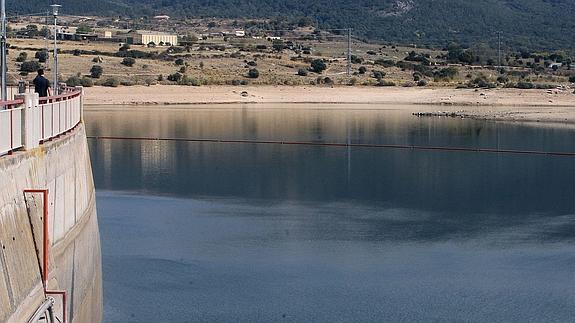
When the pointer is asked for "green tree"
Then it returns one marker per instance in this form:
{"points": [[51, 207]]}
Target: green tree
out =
{"points": [[30, 66], [41, 56]]}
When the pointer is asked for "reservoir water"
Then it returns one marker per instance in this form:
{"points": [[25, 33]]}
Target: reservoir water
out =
{"points": [[216, 232]]}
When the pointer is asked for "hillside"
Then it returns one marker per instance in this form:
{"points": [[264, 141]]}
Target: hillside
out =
{"points": [[535, 24]]}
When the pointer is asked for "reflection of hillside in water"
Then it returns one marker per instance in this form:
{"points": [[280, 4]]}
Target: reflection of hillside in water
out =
{"points": [[462, 192]]}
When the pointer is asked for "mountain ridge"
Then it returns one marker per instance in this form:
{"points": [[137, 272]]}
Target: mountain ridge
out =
{"points": [[534, 24]]}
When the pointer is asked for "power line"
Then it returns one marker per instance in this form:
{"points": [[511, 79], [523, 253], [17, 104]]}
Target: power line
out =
{"points": [[348, 144]]}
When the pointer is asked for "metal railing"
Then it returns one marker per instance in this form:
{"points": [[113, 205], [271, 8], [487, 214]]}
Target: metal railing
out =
{"points": [[28, 120], [10, 125], [60, 113]]}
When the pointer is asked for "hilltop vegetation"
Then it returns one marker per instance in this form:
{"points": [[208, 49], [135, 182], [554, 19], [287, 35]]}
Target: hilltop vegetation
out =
{"points": [[533, 24]]}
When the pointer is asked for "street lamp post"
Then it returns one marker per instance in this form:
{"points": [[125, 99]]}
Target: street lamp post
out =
{"points": [[55, 9], [3, 51]]}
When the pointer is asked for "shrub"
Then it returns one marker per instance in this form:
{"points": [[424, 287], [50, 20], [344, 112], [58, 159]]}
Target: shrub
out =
{"points": [[362, 70], [384, 62], [502, 79], [524, 85], [278, 45], [318, 66], [22, 57], [544, 86], [128, 61], [253, 73], [385, 83], [480, 81], [29, 66], [378, 75], [111, 82], [183, 70], [252, 63], [96, 71], [189, 81], [176, 77], [77, 52], [422, 83], [41, 56], [179, 61], [447, 73], [572, 78], [86, 82], [302, 72], [74, 81], [356, 59]]}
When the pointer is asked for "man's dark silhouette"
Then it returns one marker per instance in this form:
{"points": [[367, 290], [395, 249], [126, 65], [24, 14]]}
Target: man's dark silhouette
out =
{"points": [[41, 84]]}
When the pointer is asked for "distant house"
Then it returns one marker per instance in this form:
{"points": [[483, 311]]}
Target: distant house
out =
{"points": [[555, 66], [240, 33], [105, 34], [162, 17], [145, 37]]}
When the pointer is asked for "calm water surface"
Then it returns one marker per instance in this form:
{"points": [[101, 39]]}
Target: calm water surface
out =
{"points": [[242, 232]]}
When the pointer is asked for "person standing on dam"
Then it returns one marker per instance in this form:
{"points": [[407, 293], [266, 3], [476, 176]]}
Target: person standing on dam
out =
{"points": [[41, 84]]}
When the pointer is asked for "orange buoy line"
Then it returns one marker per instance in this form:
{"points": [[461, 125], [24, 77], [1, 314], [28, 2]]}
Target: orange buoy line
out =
{"points": [[336, 144]]}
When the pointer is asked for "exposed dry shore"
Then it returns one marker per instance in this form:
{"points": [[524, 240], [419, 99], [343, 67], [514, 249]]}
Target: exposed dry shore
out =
{"points": [[498, 104]]}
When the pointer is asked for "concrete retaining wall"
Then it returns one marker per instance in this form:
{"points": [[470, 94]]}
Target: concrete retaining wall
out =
{"points": [[62, 166]]}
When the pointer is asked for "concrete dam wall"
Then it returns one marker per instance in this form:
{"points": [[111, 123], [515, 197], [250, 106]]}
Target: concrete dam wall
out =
{"points": [[74, 275]]}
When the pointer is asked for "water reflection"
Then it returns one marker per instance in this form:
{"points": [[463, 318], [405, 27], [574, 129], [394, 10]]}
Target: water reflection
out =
{"points": [[249, 232], [434, 181]]}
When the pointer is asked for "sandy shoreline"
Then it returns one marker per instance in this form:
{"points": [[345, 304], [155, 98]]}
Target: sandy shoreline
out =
{"points": [[497, 104]]}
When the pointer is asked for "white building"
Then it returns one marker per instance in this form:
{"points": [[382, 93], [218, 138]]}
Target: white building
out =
{"points": [[145, 37]]}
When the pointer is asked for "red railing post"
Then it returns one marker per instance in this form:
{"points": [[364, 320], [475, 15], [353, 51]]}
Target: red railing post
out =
{"points": [[46, 248]]}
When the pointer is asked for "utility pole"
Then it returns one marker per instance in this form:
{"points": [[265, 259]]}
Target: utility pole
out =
{"points": [[55, 8], [47, 38], [3, 51], [349, 52], [499, 49]]}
